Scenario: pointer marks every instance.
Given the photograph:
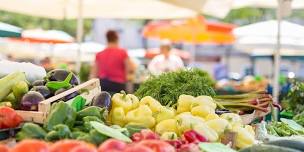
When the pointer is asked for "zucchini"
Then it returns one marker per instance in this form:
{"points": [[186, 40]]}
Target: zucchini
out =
{"points": [[19, 89], [299, 145], [268, 148], [7, 82]]}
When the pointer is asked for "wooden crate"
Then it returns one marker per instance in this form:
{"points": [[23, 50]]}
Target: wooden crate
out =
{"points": [[92, 86]]}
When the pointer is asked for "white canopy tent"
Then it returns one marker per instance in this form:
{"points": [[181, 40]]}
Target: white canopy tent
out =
{"points": [[295, 4], [263, 35], [69, 9]]}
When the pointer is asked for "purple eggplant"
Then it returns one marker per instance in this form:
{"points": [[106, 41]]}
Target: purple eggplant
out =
{"points": [[61, 75], [45, 91], [31, 100], [68, 97], [103, 100], [38, 83]]}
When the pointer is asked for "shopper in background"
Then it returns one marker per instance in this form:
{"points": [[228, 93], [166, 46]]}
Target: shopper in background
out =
{"points": [[166, 61], [220, 70], [112, 65], [47, 64]]}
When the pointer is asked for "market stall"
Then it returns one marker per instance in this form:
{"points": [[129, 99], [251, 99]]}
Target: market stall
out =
{"points": [[184, 115]]}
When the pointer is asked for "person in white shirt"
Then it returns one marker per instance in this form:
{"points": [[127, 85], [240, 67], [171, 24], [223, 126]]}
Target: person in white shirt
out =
{"points": [[166, 61]]}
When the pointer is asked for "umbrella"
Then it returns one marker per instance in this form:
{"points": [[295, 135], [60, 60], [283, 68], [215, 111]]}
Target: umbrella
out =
{"points": [[215, 8], [195, 30], [7, 30], [45, 36], [295, 4], [70, 9], [263, 35]]}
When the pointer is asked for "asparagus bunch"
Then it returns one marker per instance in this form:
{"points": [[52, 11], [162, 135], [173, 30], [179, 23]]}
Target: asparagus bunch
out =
{"points": [[241, 103]]}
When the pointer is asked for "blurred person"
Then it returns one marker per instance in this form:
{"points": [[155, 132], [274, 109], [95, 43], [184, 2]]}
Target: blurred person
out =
{"points": [[112, 65], [47, 64], [10, 57], [166, 61], [220, 70]]}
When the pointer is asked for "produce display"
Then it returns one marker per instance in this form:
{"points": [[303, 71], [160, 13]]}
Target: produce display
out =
{"points": [[174, 112], [18, 93]]}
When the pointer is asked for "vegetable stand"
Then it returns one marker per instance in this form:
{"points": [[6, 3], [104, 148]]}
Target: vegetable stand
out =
{"points": [[92, 88], [190, 118]]}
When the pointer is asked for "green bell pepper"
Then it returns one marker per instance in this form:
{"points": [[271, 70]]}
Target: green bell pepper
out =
{"points": [[93, 137], [90, 111], [31, 131], [60, 131], [61, 113]]}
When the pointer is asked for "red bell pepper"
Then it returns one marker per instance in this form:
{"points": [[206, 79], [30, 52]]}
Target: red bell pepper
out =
{"points": [[144, 134], [137, 148], [112, 145], [192, 136], [9, 118], [157, 145], [189, 148], [176, 143]]}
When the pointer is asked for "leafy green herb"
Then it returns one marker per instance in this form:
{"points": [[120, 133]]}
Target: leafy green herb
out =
{"points": [[295, 97], [167, 87]]}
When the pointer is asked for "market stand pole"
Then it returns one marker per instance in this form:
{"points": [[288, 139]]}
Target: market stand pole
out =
{"points": [[79, 34], [277, 60]]}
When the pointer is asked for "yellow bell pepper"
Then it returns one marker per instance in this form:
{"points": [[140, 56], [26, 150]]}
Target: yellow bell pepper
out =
{"points": [[141, 116], [184, 103], [250, 129], [186, 121], [204, 101], [153, 104], [169, 136], [244, 138], [164, 113], [232, 118], [206, 131], [219, 125], [126, 101], [117, 116], [211, 116], [202, 111], [169, 125]]}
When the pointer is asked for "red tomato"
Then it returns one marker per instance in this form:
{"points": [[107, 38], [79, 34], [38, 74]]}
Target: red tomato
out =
{"points": [[31, 146], [157, 145], [83, 148], [67, 145], [112, 145], [138, 148], [9, 118], [3, 148]]}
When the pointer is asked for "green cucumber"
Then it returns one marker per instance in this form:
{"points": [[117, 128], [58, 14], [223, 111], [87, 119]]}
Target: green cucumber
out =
{"points": [[268, 148], [19, 89], [109, 132], [7, 83], [288, 144]]}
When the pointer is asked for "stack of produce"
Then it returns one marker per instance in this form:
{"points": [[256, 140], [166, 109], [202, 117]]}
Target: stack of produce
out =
{"points": [[192, 113], [18, 93], [175, 112], [167, 88]]}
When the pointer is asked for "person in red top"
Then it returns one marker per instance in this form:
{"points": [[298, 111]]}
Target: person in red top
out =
{"points": [[112, 65]]}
